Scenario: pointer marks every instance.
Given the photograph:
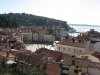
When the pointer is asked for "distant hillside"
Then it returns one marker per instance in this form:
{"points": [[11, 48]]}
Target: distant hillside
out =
{"points": [[4, 22], [83, 25], [24, 19]]}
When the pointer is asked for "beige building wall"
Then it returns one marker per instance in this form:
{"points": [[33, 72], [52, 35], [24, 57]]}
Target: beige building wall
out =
{"points": [[49, 38], [94, 71], [29, 37], [19, 38], [69, 49], [72, 70], [11, 58], [65, 71], [90, 57], [35, 37]]}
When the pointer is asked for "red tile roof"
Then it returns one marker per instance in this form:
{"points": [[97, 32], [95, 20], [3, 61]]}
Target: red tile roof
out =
{"points": [[95, 65], [80, 62], [27, 53], [4, 54], [63, 55], [70, 43], [57, 56], [53, 54], [67, 60], [52, 68], [93, 53], [96, 54], [85, 38]]}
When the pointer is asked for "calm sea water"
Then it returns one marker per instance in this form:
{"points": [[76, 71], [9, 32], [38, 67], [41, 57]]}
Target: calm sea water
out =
{"points": [[83, 29]]}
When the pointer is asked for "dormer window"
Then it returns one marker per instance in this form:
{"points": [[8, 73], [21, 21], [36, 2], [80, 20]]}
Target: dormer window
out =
{"points": [[69, 50]]}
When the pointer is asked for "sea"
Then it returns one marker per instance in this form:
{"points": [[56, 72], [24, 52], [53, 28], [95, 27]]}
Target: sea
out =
{"points": [[83, 28], [77, 27]]}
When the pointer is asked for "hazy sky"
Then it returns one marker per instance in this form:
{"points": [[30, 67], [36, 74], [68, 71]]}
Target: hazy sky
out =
{"points": [[72, 11]]}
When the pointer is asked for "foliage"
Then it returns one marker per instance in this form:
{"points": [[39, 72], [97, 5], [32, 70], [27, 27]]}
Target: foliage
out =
{"points": [[4, 22], [16, 69], [24, 19]]}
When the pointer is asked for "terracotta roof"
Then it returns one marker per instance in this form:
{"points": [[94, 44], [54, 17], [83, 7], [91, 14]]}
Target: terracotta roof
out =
{"points": [[21, 57], [4, 54], [27, 53], [62, 56], [85, 38], [67, 60], [70, 43], [82, 62], [56, 56], [53, 54], [93, 53], [38, 60], [52, 68], [95, 65], [87, 52], [35, 60]]}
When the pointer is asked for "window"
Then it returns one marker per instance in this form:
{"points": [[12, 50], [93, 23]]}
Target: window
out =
{"points": [[69, 50], [64, 74], [59, 48], [64, 48], [65, 68], [74, 50], [75, 71], [76, 66]]}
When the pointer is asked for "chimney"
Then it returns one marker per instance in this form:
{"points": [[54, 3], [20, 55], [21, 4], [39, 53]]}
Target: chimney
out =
{"points": [[7, 54], [79, 73], [79, 41], [73, 40]]}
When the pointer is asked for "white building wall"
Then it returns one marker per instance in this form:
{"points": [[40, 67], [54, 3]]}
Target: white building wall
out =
{"points": [[29, 37], [18, 38], [97, 46], [35, 37], [46, 37], [90, 57], [49, 38], [88, 45], [69, 49], [94, 59], [93, 47]]}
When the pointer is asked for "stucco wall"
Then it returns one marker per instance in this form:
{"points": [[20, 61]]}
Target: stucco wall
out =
{"points": [[69, 49], [93, 71], [72, 68]]}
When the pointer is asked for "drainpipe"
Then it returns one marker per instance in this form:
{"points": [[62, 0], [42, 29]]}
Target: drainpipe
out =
{"points": [[89, 44], [60, 68], [69, 70], [77, 49], [87, 70]]}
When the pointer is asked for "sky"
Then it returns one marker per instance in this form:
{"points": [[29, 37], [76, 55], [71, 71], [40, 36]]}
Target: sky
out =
{"points": [[72, 11]]}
